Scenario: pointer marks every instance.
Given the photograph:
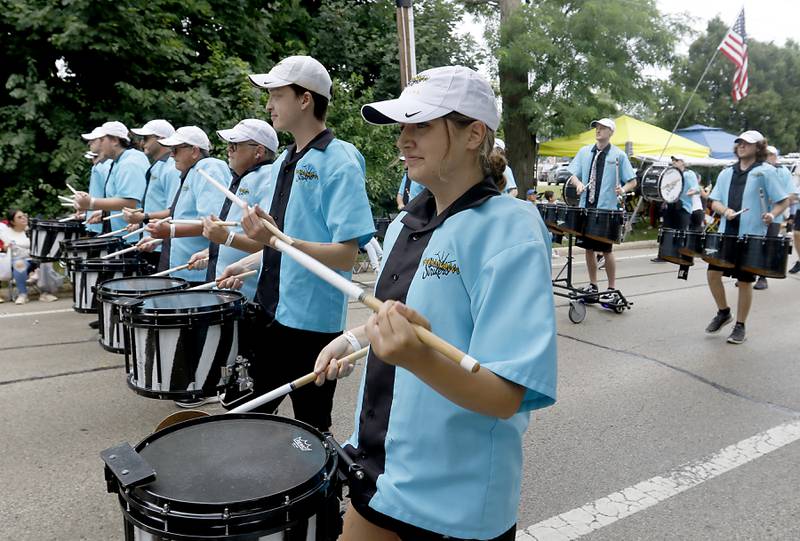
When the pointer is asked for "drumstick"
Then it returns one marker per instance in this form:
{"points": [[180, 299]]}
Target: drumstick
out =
{"points": [[352, 290], [131, 249], [132, 233], [120, 214], [65, 199], [89, 214], [73, 190], [735, 214], [209, 285], [68, 204], [283, 390], [176, 269], [200, 222], [68, 218], [237, 201], [112, 233]]}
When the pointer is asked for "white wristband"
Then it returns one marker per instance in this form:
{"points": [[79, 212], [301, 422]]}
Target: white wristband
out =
{"points": [[352, 340], [172, 231], [230, 238], [91, 203]]}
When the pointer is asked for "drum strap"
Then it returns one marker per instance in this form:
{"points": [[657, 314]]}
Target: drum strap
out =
{"points": [[107, 223]]}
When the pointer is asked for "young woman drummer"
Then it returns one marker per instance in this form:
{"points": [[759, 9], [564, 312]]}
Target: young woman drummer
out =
{"points": [[441, 448]]}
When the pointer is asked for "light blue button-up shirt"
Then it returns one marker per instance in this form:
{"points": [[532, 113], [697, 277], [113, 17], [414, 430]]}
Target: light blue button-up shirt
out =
{"points": [[127, 181], [616, 172], [761, 187], [97, 179]]}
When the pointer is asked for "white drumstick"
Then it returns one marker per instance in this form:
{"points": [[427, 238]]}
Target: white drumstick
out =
{"points": [[73, 190], [176, 269], [237, 201], [89, 214], [133, 233], [112, 233], [65, 199], [283, 390], [210, 285], [200, 222], [735, 214], [121, 214], [68, 204], [68, 218], [131, 249], [352, 290]]}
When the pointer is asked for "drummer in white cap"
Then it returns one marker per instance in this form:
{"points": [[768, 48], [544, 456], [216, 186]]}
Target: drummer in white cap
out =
{"points": [[97, 177], [125, 184]]}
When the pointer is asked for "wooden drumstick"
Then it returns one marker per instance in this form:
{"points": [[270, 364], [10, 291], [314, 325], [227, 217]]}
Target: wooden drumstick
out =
{"points": [[112, 233], [239, 202], [352, 290], [210, 285], [176, 269], [73, 190], [283, 390], [131, 249], [121, 214]]}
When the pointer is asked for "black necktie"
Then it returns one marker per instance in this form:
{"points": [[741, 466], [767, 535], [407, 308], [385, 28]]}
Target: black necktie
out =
{"points": [[107, 223]]}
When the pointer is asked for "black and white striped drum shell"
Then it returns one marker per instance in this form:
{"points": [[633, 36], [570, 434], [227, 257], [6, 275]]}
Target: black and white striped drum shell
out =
{"points": [[109, 315], [47, 237], [178, 343], [234, 477], [87, 274], [90, 248]]}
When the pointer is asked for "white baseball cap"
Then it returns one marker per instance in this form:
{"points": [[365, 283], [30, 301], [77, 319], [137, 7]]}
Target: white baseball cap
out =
{"points": [[159, 127], [299, 70], [750, 136], [187, 135], [607, 122], [433, 94], [499, 143], [252, 129], [772, 150], [96, 133]]}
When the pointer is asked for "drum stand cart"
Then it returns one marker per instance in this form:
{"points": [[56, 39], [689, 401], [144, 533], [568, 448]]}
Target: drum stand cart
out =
{"points": [[578, 298]]}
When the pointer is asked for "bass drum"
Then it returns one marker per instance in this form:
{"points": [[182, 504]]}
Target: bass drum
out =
{"points": [[765, 256], [662, 183], [48, 235], [233, 477], [180, 345]]}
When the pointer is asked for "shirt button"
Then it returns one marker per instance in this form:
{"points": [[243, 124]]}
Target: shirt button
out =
{"points": [[395, 277], [415, 237]]}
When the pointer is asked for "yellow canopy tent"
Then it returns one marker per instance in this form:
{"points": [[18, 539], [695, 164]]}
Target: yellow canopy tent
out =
{"points": [[647, 140]]}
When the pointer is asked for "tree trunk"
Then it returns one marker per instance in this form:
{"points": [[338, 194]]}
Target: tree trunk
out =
{"points": [[520, 143]]}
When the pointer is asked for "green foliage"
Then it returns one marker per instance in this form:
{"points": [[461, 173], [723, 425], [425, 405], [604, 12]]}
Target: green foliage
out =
{"points": [[772, 105]]}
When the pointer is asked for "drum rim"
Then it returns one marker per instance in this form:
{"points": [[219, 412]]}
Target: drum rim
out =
{"points": [[142, 496], [91, 242], [195, 310], [102, 292], [54, 224], [96, 264]]}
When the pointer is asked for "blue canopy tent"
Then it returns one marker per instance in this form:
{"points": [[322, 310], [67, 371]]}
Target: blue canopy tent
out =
{"points": [[720, 142]]}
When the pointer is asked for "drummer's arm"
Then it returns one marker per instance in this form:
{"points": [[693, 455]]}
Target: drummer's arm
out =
{"points": [[113, 203], [251, 262], [781, 206], [721, 209], [246, 244], [629, 186]]}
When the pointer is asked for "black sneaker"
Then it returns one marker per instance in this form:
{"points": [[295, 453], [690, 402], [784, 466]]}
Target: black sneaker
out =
{"points": [[737, 334], [719, 321], [761, 283], [796, 268], [94, 324]]}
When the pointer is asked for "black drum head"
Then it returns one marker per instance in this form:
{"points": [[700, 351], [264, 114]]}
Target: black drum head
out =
{"points": [[142, 284], [229, 459], [190, 301]]}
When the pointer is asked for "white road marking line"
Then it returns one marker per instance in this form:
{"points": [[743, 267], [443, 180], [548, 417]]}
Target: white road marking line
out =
{"points": [[22, 314], [624, 503]]}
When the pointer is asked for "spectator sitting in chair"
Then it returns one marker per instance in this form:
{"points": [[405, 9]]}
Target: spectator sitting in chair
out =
{"points": [[16, 240]]}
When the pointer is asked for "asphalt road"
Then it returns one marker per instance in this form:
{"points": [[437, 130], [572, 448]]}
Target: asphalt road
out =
{"points": [[642, 395]]}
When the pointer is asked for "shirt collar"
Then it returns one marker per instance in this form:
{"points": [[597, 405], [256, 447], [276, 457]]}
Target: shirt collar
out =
{"points": [[739, 171], [604, 151], [319, 142], [421, 212], [255, 167]]}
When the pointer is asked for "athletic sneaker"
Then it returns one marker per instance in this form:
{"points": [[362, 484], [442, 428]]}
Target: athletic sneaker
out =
{"points": [[761, 283], [189, 403], [722, 318], [796, 268], [94, 324], [737, 334], [609, 297], [47, 297], [21, 299]]}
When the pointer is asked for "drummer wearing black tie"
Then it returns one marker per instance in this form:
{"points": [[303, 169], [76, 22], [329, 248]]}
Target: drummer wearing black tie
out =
{"points": [[601, 174]]}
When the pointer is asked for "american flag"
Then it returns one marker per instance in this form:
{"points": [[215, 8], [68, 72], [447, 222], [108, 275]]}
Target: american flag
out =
{"points": [[734, 46]]}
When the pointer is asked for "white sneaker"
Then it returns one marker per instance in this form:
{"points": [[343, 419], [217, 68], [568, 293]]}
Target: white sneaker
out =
{"points": [[2, 300], [21, 299], [47, 297]]}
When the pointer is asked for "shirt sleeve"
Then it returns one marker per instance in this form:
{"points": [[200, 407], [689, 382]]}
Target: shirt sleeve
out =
{"points": [[511, 182], [402, 184], [345, 205], [773, 186], [626, 172], [691, 181], [208, 198], [716, 193], [525, 358], [574, 166]]}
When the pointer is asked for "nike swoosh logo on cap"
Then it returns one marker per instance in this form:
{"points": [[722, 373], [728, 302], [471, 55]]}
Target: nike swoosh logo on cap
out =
{"points": [[412, 114]]}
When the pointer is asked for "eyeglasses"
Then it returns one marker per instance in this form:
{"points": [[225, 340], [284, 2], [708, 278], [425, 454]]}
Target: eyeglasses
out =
{"points": [[235, 146], [175, 149]]}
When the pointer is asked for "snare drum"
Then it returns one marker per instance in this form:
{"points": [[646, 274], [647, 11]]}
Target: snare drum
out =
{"points": [[91, 248], [765, 256], [570, 219], [662, 183], [670, 242], [604, 225], [721, 250], [47, 236], [111, 329], [178, 343], [87, 274], [232, 477], [694, 243]]}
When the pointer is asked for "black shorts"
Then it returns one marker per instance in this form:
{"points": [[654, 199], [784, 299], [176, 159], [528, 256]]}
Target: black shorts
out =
{"points": [[407, 532], [739, 274], [278, 355], [590, 244]]}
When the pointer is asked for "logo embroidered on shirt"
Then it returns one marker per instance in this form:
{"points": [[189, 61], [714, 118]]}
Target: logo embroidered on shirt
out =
{"points": [[306, 174], [439, 265], [243, 191], [301, 444]]}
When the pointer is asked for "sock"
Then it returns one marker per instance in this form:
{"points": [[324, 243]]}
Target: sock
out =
{"points": [[740, 323], [724, 312]]}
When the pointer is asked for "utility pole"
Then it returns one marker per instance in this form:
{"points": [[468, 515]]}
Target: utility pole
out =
{"points": [[405, 41]]}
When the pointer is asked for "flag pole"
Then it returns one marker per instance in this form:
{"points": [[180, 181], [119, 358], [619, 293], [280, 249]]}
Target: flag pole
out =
{"points": [[405, 41]]}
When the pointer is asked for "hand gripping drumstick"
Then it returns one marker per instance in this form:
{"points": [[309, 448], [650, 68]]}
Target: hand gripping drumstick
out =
{"points": [[209, 285], [176, 269], [121, 214], [283, 390], [131, 249], [112, 233]]}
